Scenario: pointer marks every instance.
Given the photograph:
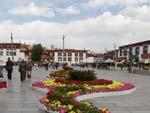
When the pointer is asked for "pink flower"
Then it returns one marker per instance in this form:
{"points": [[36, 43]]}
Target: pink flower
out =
{"points": [[63, 111]]}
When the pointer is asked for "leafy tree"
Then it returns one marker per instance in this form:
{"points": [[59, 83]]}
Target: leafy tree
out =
{"points": [[37, 50]]}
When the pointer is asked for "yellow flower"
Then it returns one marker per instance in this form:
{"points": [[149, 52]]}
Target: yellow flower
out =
{"points": [[78, 111], [70, 107]]}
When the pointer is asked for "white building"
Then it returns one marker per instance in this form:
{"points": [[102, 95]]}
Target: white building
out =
{"points": [[94, 57], [71, 56], [16, 51], [138, 52]]}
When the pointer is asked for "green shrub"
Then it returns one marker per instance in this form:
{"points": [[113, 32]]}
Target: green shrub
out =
{"points": [[82, 75]]}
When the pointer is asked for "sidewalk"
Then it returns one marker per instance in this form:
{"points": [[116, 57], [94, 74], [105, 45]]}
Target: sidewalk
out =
{"points": [[143, 72]]}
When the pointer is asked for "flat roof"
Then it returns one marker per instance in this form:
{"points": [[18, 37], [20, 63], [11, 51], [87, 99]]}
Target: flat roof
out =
{"points": [[136, 44], [72, 50]]}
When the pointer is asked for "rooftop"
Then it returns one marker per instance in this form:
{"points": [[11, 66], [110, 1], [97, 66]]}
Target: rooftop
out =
{"points": [[136, 44]]}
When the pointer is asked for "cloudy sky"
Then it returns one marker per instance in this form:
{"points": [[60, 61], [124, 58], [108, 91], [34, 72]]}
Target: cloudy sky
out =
{"points": [[90, 24]]}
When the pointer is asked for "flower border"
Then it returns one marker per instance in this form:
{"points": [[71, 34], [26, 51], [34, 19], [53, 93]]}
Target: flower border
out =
{"points": [[126, 89]]}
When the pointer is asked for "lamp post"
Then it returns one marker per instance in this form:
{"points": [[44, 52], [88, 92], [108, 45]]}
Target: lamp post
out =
{"points": [[63, 51], [12, 47], [115, 55]]}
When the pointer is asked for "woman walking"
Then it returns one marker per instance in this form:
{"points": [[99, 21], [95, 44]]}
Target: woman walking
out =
{"points": [[1, 74], [29, 68], [22, 70]]}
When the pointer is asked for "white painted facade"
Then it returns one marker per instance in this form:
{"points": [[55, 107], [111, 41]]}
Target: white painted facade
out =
{"points": [[90, 59], [18, 54], [4, 54], [71, 56], [141, 51]]}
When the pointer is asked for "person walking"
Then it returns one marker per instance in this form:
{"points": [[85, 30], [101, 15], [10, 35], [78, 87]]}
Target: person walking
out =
{"points": [[22, 70], [9, 68], [1, 69], [29, 68]]}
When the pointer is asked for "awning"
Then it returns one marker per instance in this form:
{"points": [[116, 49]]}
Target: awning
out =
{"points": [[109, 61], [146, 61]]}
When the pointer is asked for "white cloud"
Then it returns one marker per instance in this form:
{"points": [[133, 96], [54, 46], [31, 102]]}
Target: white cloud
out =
{"points": [[106, 3], [69, 10], [33, 9], [139, 12], [95, 33]]}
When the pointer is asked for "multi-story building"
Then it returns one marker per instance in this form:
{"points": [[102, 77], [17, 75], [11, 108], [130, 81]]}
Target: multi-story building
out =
{"points": [[93, 57], [71, 56], [137, 52], [15, 51], [109, 55]]}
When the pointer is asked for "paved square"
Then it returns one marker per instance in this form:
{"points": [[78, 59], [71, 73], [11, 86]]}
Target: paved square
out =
{"points": [[22, 98]]}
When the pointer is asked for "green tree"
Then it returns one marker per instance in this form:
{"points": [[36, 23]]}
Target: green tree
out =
{"points": [[37, 50]]}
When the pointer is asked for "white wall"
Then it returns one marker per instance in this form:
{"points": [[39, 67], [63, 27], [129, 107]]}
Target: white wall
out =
{"points": [[19, 55], [72, 57], [90, 59]]}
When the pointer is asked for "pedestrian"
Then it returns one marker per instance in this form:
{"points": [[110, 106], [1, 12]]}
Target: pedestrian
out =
{"points": [[22, 70], [46, 65], [9, 68], [56, 65], [29, 68], [1, 74]]}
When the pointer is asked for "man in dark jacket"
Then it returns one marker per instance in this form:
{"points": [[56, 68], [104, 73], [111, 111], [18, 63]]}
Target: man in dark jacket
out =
{"points": [[22, 70], [9, 68]]}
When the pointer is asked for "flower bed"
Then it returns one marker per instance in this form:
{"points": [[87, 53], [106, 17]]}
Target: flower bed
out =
{"points": [[3, 84], [63, 74], [63, 96]]}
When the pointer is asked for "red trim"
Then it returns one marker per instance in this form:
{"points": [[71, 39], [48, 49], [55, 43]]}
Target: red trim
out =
{"points": [[144, 56], [119, 59]]}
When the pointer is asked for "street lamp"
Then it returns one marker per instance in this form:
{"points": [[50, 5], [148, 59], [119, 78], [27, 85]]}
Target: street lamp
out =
{"points": [[12, 47], [63, 51], [115, 56]]}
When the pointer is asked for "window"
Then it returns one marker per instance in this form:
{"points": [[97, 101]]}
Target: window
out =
{"points": [[7, 53], [145, 49], [64, 59], [80, 54], [137, 50], [10, 53], [1, 53], [76, 59], [69, 54], [59, 54], [15, 54], [125, 52], [59, 59], [76, 54], [130, 51], [69, 59], [81, 59], [120, 52]]}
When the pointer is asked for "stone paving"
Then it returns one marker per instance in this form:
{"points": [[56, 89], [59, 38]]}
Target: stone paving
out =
{"points": [[137, 102], [22, 98]]}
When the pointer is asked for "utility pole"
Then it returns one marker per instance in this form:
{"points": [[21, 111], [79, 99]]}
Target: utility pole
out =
{"points": [[63, 51], [115, 56], [12, 53]]}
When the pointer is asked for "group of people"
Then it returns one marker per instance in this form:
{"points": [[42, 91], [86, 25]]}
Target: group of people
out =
{"points": [[54, 65], [25, 69]]}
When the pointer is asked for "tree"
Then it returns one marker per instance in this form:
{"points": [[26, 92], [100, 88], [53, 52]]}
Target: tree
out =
{"points": [[37, 50]]}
